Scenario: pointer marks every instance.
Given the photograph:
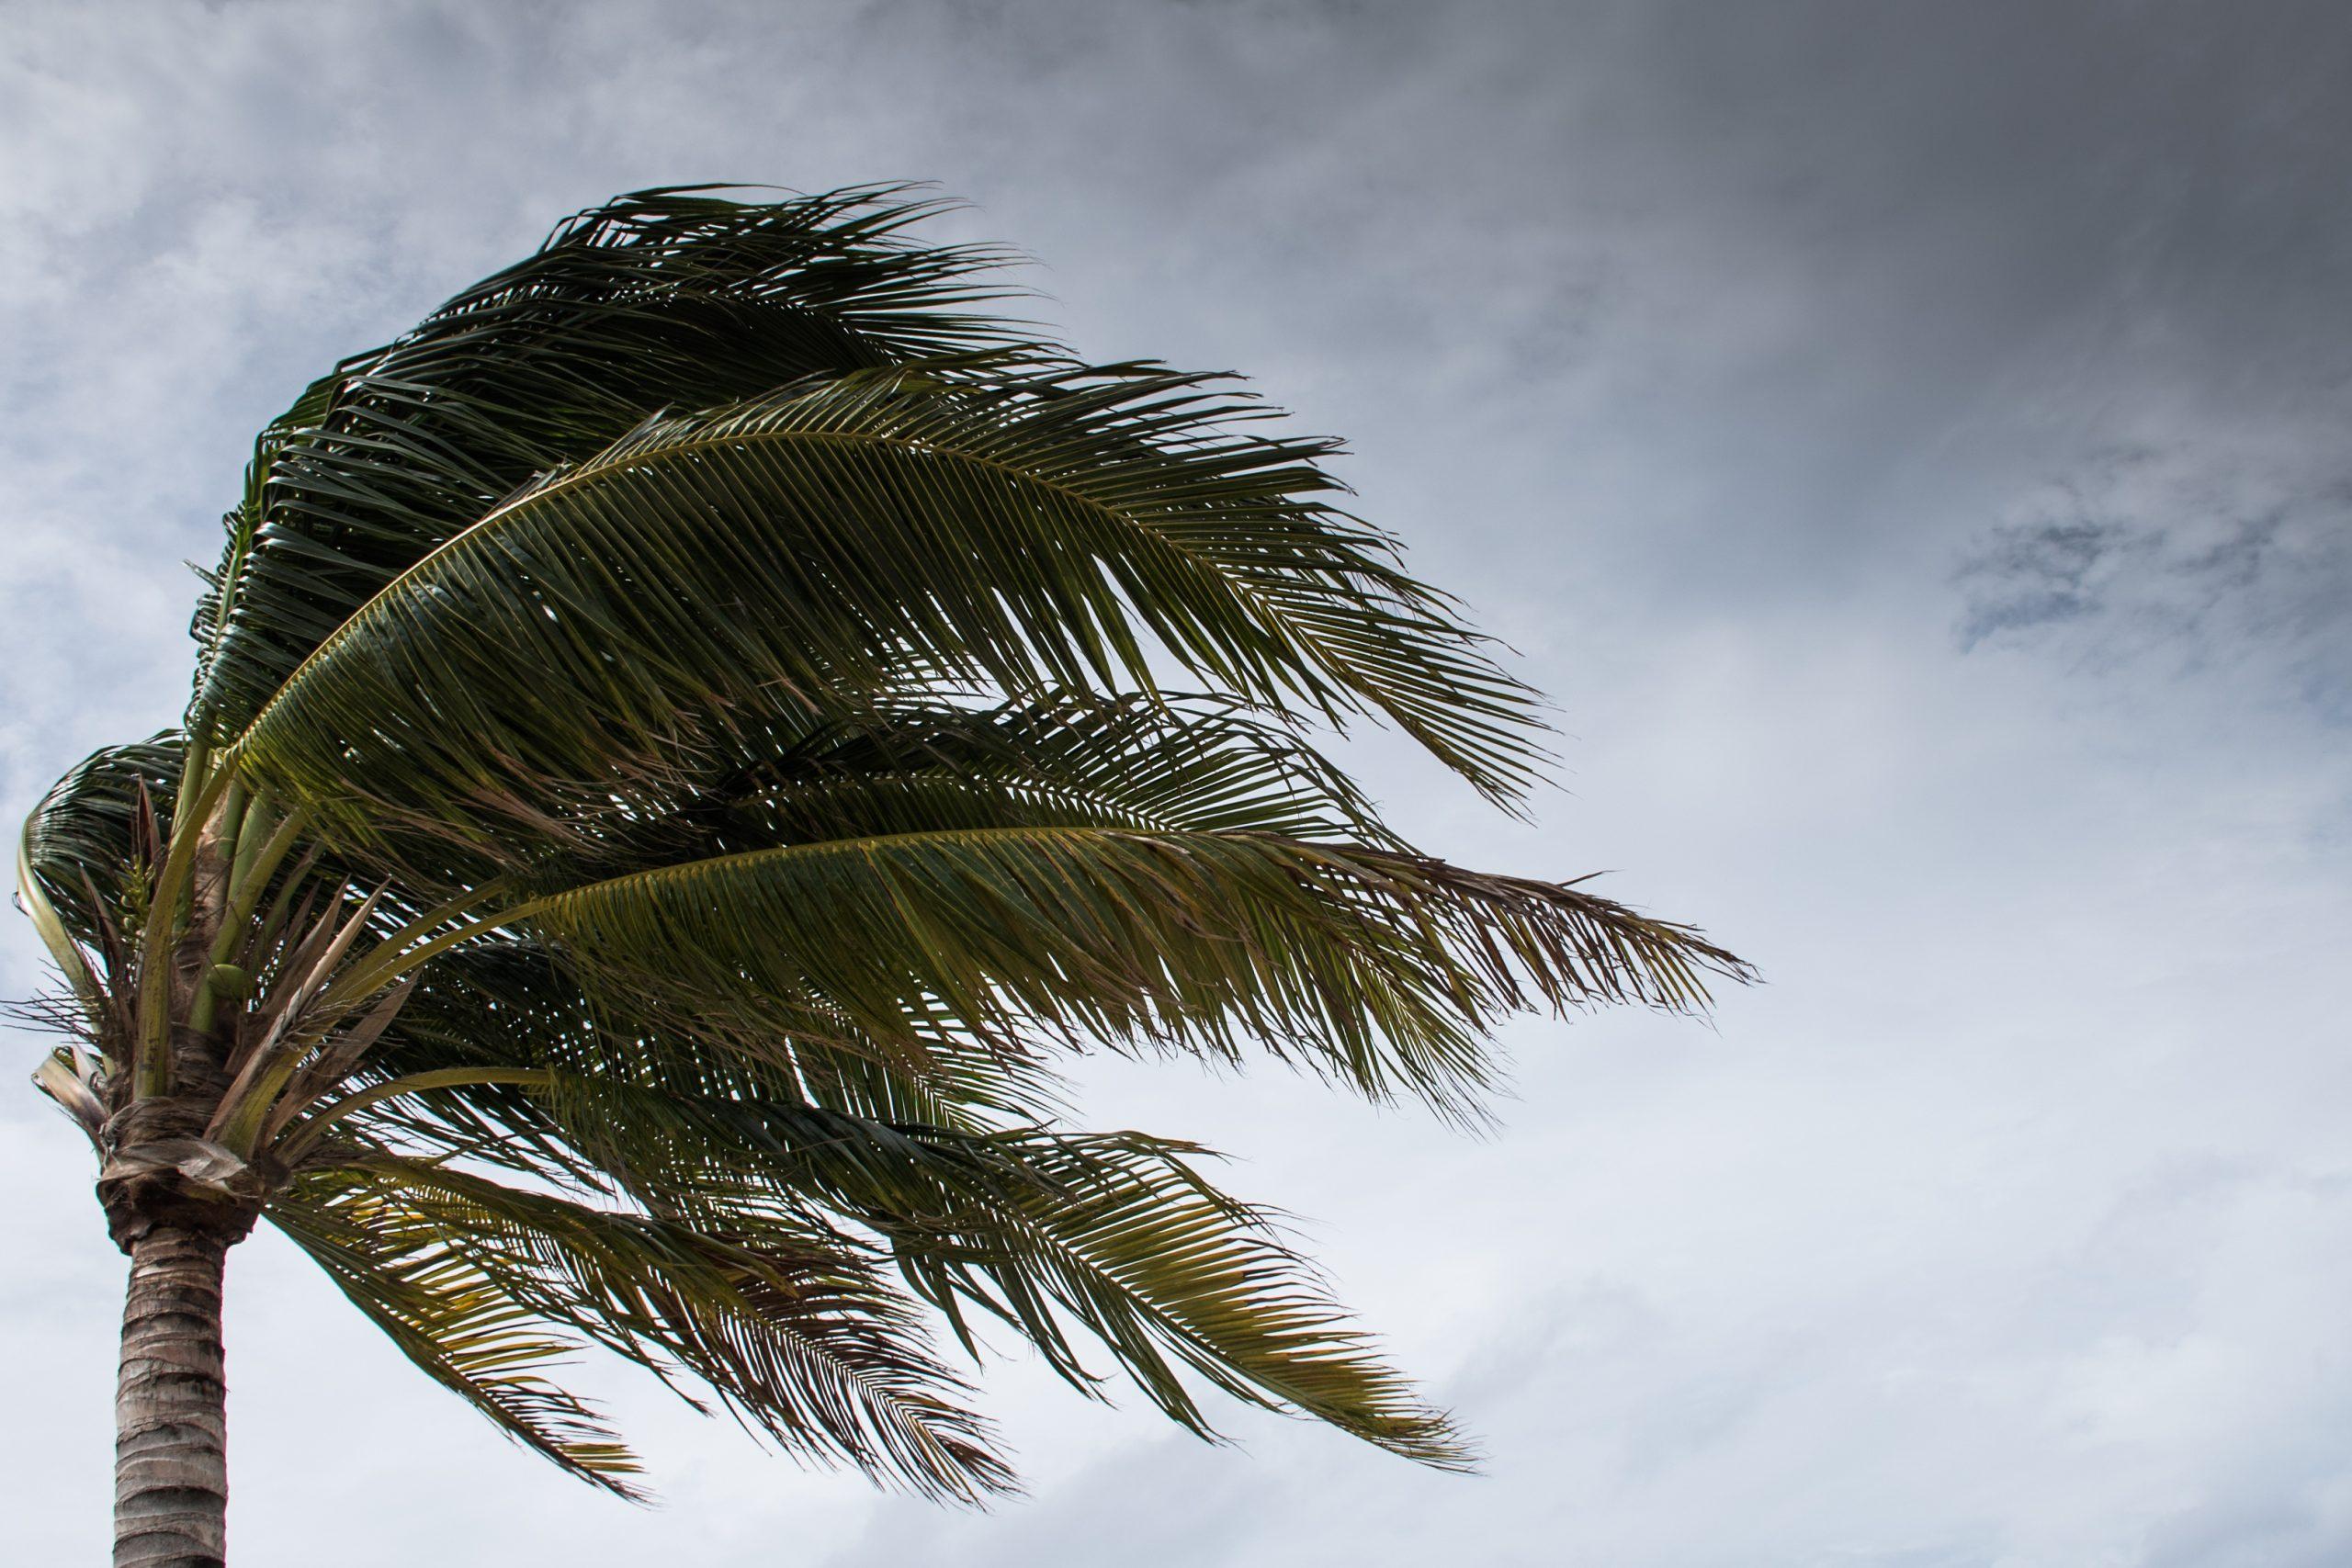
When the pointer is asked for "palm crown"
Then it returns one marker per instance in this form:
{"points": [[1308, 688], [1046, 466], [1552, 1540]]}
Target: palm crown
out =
{"points": [[682, 740]]}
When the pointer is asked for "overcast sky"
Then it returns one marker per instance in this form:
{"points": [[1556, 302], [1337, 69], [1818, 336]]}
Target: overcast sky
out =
{"points": [[1907, 439]]}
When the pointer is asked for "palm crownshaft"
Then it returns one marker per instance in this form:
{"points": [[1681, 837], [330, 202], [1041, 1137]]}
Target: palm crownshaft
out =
{"points": [[683, 739]]}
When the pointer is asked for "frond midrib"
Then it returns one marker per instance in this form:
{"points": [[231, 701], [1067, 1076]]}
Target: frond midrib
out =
{"points": [[1269, 615]]}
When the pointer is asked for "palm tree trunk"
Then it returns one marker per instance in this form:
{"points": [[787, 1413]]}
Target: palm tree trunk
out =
{"points": [[171, 1474]]}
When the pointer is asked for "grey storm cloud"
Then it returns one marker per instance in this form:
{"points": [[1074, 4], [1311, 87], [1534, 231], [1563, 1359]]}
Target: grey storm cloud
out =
{"points": [[2184, 559], [1907, 439]]}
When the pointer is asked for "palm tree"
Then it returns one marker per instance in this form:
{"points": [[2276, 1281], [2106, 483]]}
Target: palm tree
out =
{"points": [[681, 741]]}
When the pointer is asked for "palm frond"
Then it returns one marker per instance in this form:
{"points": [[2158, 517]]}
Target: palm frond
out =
{"points": [[1113, 1237], [1381, 969], [1064, 759], [658, 298], [1175, 762], [791, 1328], [111, 811], [398, 1265], [510, 1003], [593, 643]]}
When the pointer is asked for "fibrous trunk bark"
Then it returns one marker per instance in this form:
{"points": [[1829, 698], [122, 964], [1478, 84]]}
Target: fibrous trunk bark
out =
{"points": [[171, 1475]]}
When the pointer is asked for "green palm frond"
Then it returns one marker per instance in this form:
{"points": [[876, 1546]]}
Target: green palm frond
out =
{"points": [[1172, 761], [1194, 763], [512, 1004], [1113, 1236], [676, 297], [397, 1262], [595, 641], [791, 1327], [1379, 968], [111, 812]]}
